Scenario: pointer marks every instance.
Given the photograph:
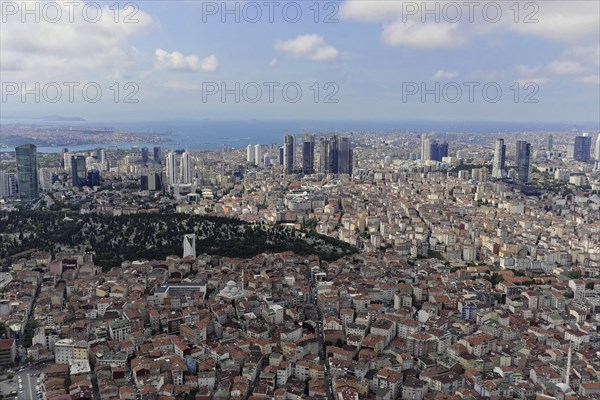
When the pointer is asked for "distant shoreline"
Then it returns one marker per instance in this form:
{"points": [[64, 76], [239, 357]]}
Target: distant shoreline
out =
{"points": [[211, 135]]}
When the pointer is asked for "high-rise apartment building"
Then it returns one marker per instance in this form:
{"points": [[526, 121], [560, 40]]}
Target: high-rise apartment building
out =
{"points": [[523, 158], [93, 177], [8, 184], [308, 154], [250, 154], [257, 154], [145, 155], [288, 154], [185, 170], [432, 149], [438, 150], [597, 154], [323, 155], [425, 148], [46, 179], [151, 182], [171, 169], [344, 156], [498, 167], [101, 155], [333, 149], [582, 148], [78, 171], [335, 155], [27, 172]]}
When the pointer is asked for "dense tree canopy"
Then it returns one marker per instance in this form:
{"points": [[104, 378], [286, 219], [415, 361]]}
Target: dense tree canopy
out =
{"points": [[153, 236]]}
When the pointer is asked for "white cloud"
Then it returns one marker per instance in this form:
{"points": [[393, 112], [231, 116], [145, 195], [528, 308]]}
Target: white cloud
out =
{"points": [[407, 23], [536, 81], [371, 11], [564, 68], [441, 74], [311, 47], [564, 21], [589, 80], [273, 62], [210, 63], [580, 62], [526, 70], [178, 85], [422, 35], [585, 55], [77, 49], [177, 61]]}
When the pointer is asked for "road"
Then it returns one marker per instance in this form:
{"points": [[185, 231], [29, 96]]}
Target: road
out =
{"points": [[29, 391], [319, 331]]}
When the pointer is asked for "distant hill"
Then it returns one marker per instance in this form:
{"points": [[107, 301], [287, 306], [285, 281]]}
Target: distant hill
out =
{"points": [[60, 118]]}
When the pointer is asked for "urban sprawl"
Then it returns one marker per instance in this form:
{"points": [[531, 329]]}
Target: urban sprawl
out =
{"points": [[467, 267]]}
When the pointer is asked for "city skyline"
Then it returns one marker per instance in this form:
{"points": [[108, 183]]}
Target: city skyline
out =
{"points": [[374, 250], [285, 200]]}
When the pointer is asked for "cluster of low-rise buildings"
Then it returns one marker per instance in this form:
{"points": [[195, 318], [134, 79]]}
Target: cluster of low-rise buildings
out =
{"points": [[278, 326]]}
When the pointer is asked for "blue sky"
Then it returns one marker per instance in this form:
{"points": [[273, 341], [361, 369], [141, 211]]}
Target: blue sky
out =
{"points": [[368, 61]]}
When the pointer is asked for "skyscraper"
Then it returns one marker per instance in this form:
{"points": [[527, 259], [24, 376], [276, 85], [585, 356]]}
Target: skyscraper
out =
{"points": [[582, 148], [437, 150], [257, 154], [62, 157], [250, 154], [46, 176], [550, 143], [93, 177], [323, 155], [101, 155], [156, 154], [185, 172], [67, 161], [78, 171], [27, 172], [597, 154], [425, 148], [499, 158], [189, 245], [523, 156], [145, 155], [288, 154], [171, 169], [344, 156], [308, 154], [335, 155], [8, 184], [333, 150], [150, 182]]}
